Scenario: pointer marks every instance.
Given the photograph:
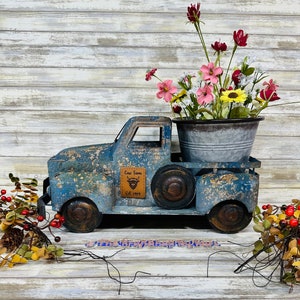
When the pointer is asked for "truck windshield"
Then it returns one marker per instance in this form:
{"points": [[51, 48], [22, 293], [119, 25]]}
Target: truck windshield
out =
{"points": [[144, 135], [147, 136]]}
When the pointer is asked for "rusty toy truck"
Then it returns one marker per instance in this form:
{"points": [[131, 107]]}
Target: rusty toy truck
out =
{"points": [[139, 174]]}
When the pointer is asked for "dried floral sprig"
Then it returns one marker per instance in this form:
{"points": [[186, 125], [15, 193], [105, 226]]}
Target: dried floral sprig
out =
{"points": [[23, 238], [280, 231]]}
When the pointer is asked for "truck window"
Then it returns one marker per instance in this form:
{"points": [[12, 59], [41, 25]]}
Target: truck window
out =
{"points": [[147, 137]]}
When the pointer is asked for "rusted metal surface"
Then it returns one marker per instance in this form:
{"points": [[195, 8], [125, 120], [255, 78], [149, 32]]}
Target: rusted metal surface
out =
{"points": [[81, 215], [138, 174], [226, 185], [173, 187], [229, 216]]}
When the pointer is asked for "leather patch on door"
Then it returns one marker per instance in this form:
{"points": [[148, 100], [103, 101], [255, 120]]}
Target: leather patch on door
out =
{"points": [[133, 182]]}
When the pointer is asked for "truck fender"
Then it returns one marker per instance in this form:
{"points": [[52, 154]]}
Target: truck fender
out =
{"points": [[96, 187], [214, 188]]}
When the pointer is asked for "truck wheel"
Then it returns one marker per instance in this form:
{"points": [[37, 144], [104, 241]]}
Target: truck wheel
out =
{"points": [[229, 216], [173, 187], [81, 215]]}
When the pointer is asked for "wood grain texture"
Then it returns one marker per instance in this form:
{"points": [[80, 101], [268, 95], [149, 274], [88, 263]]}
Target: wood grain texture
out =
{"points": [[72, 72], [175, 273]]}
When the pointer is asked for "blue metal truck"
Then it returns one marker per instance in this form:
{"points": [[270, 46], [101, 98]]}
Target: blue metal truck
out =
{"points": [[139, 174]]}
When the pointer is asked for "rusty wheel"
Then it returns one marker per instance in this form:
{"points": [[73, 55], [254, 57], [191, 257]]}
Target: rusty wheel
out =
{"points": [[81, 215], [229, 217], [173, 187]]}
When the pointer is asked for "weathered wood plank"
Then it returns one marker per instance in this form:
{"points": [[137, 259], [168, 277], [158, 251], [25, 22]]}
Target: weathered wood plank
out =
{"points": [[263, 148], [144, 288], [95, 78], [60, 121], [226, 6], [71, 67], [105, 100], [177, 273], [138, 39], [143, 22], [131, 57]]}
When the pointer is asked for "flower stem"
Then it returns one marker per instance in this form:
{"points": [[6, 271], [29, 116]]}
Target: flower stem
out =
{"points": [[232, 55], [198, 29]]}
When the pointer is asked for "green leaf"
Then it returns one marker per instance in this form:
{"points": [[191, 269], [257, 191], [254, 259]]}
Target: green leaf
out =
{"points": [[258, 245], [289, 277], [257, 210], [28, 254], [268, 250], [267, 224], [59, 252], [239, 112], [258, 228], [249, 71], [10, 216], [256, 220]]}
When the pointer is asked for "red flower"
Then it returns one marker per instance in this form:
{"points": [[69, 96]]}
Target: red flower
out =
{"points": [[236, 77], [176, 109], [240, 38], [268, 95], [219, 47], [193, 12], [149, 74], [271, 85]]}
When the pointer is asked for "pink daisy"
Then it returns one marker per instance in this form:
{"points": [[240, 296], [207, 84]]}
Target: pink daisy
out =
{"points": [[166, 90], [205, 95], [210, 72]]}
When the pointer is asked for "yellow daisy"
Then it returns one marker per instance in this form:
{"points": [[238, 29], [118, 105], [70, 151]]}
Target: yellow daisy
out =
{"points": [[237, 95], [179, 96]]}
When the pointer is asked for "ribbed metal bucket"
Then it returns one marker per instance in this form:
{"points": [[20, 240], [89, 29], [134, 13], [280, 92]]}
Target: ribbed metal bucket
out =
{"points": [[226, 140]]}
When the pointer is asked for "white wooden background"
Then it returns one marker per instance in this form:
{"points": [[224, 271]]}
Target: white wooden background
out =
{"points": [[177, 273], [72, 72]]}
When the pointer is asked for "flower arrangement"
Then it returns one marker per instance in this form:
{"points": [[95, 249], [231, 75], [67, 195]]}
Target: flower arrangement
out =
{"points": [[214, 91], [279, 228], [23, 238]]}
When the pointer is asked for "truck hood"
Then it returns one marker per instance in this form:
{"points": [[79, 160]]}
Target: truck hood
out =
{"points": [[92, 158]]}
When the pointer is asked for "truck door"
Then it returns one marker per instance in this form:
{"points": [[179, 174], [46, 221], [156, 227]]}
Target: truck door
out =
{"points": [[140, 152]]}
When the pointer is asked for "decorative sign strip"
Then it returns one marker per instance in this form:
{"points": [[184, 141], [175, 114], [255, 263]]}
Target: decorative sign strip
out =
{"points": [[127, 243]]}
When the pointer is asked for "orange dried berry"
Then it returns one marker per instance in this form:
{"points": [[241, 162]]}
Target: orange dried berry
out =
{"points": [[57, 216]]}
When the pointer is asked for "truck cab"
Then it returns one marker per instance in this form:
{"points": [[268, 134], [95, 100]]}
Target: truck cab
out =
{"points": [[139, 174]]}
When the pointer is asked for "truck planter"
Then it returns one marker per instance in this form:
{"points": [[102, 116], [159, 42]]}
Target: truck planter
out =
{"points": [[138, 174]]}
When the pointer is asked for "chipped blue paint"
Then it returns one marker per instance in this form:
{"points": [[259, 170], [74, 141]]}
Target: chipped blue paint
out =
{"points": [[94, 172], [226, 185]]}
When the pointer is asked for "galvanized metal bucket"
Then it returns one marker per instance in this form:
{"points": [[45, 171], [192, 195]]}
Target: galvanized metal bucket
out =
{"points": [[228, 140]]}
